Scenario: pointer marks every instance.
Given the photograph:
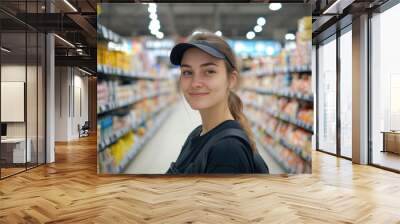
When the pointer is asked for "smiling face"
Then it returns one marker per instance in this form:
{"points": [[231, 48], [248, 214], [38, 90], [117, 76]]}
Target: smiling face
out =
{"points": [[204, 79]]}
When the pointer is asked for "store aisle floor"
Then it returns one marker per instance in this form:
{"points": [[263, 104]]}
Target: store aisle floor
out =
{"points": [[157, 155], [164, 147]]}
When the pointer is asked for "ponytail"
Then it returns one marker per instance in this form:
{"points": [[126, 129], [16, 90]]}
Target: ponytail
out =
{"points": [[236, 108]]}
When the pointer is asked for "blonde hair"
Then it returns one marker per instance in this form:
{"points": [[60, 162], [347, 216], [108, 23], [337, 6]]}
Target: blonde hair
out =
{"points": [[234, 102]]}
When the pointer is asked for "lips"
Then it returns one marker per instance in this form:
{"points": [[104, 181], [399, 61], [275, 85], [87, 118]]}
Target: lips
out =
{"points": [[198, 94]]}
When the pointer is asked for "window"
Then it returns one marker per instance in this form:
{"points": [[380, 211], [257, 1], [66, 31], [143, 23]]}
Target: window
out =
{"points": [[346, 94], [327, 96], [385, 88]]}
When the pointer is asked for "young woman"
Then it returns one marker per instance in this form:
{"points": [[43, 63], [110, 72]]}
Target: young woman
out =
{"points": [[209, 75]]}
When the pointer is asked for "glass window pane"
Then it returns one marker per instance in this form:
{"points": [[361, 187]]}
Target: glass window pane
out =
{"points": [[385, 89], [327, 97], [31, 96], [41, 98], [13, 86], [346, 94]]}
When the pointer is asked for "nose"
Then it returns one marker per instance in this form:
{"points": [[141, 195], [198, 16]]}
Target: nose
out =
{"points": [[196, 81]]}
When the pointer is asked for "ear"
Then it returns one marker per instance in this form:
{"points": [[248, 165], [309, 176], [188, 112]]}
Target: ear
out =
{"points": [[233, 79]]}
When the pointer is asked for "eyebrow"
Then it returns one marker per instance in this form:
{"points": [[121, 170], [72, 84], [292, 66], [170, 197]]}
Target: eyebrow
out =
{"points": [[202, 65]]}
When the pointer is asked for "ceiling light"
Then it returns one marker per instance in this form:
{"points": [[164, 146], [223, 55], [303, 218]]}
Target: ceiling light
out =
{"points": [[250, 35], [257, 29], [70, 5], [290, 36], [337, 7], [153, 16], [79, 50], [154, 32], [152, 8], [275, 6], [196, 32], [154, 26], [160, 35], [261, 21], [84, 71], [218, 33], [64, 40], [5, 49]]}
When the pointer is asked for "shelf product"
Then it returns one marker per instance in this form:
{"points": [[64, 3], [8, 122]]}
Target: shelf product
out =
{"points": [[115, 157], [112, 94], [277, 95], [127, 57], [114, 125], [289, 145]]}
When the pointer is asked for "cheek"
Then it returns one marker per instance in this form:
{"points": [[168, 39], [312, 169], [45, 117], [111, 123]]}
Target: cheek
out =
{"points": [[219, 86], [183, 84]]}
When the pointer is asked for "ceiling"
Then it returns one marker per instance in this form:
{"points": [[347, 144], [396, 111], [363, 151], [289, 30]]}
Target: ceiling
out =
{"points": [[33, 16], [234, 20]]}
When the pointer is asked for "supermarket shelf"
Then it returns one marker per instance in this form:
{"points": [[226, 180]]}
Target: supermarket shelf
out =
{"points": [[106, 34], [114, 138], [284, 117], [276, 157], [106, 72], [306, 69], [297, 150], [137, 147], [104, 109], [288, 94]]}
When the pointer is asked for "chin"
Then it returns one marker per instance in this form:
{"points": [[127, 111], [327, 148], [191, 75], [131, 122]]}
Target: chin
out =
{"points": [[199, 105]]}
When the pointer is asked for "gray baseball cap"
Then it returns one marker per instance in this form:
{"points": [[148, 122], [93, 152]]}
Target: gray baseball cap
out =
{"points": [[179, 49]]}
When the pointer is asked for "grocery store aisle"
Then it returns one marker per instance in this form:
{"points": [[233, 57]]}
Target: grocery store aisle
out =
{"points": [[164, 147]]}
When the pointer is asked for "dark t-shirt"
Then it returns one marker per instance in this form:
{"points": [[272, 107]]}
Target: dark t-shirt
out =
{"points": [[228, 155]]}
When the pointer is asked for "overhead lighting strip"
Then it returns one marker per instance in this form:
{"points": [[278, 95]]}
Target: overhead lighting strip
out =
{"points": [[64, 40], [5, 50], [70, 5]]}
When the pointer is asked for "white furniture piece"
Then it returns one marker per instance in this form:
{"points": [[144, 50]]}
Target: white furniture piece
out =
{"points": [[18, 149]]}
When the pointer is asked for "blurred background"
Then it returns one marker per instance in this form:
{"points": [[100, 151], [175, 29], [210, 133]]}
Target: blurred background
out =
{"points": [[143, 120]]}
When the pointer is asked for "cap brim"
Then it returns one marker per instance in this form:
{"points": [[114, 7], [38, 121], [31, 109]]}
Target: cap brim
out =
{"points": [[178, 51]]}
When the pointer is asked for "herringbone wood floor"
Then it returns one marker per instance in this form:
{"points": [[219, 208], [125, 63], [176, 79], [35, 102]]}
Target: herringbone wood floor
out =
{"points": [[70, 191]]}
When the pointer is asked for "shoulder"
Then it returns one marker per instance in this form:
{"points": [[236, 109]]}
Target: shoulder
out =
{"points": [[195, 131]]}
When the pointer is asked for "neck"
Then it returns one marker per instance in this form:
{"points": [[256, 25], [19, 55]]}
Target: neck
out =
{"points": [[212, 117]]}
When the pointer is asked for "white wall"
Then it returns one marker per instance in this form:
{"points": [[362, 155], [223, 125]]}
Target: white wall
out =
{"points": [[70, 83]]}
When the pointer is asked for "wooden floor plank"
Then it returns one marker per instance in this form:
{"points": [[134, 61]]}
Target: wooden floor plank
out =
{"points": [[70, 191]]}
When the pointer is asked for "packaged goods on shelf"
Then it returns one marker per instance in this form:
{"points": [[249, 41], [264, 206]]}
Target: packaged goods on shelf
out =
{"points": [[301, 83], [291, 110], [118, 123], [304, 29], [294, 83], [115, 157], [290, 160], [127, 57], [291, 144], [306, 115], [115, 93]]}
